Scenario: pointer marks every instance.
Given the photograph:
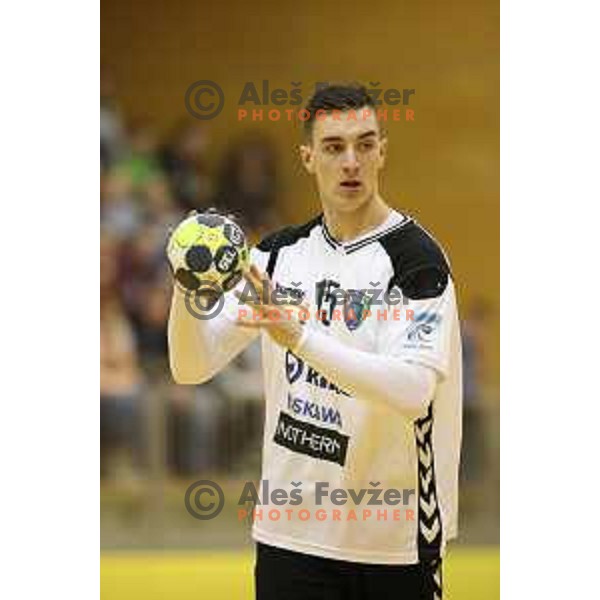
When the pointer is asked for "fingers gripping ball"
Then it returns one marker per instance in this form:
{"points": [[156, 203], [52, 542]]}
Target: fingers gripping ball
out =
{"points": [[208, 250]]}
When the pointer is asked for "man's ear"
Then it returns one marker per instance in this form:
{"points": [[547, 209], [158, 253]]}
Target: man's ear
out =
{"points": [[307, 156]]}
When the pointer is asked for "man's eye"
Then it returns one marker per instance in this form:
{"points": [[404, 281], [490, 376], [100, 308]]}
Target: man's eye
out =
{"points": [[333, 148], [366, 146]]}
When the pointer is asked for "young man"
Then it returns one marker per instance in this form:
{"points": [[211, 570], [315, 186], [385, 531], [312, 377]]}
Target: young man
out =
{"points": [[367, 396]]}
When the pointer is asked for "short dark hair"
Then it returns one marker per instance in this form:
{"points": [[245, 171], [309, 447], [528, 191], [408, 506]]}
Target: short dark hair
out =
{"points": [[336, 97]]}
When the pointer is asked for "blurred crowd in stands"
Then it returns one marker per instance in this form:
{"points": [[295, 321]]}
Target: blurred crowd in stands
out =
{"points": [[148, 184]]}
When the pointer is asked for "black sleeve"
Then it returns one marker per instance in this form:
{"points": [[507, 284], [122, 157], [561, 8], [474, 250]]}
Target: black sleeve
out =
{"points": [[421, 270]]}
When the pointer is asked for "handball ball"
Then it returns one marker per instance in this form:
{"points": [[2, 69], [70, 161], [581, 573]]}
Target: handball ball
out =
{"points": [[208, 251]]}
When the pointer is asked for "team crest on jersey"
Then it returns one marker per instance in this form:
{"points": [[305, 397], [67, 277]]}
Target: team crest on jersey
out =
{"points": [[356, 305], [421, 332]]}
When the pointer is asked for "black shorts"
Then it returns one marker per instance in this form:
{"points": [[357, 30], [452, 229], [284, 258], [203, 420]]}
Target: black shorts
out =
{"points": [[284, 575]]}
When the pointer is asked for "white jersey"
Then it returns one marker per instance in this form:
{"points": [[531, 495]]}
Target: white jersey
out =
{"points": [[318, 438]]}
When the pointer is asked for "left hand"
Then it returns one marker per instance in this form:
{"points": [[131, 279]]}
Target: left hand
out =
{"points": [[281, 322]]}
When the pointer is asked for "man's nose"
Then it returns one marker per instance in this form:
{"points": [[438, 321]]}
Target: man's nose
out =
{"points": [[350, 161]]}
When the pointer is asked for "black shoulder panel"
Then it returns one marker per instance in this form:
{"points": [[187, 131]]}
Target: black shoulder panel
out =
{"points": [[287, 236], [420, 267]]}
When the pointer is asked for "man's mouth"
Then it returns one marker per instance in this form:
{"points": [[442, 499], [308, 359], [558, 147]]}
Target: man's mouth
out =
{"points": [[351, 184]]}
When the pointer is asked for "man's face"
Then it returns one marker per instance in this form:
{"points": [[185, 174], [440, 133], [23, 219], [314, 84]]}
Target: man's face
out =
{"points": [[345, 156]]}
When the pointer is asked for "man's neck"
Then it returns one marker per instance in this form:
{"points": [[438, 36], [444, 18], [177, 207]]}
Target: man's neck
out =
{"points": [[345, 226]]}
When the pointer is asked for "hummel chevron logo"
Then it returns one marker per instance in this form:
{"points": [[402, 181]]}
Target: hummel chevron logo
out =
{"points": [[428, 506], [426, 480], [430, 525], [430, 533], [422, 431], [425, 456], [436, 578]]}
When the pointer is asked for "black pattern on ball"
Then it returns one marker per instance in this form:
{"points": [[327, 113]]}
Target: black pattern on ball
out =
{"points": [[198, 259], [234, 234], [210, 220], [226, 259], [187, 279]]}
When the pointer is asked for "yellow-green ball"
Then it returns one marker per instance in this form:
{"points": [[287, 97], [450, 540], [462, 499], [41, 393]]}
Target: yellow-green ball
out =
{"points": [[210, 250]]}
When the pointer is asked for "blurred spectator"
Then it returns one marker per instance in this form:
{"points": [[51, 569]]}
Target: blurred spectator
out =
{"points": [[119, 210], [159, 208], [145, 279], [141, 162], [112, 131], [120, 375], [474, 333], [184, 161], [248, 182], [193, 429], [152, 322], [124, 209]]}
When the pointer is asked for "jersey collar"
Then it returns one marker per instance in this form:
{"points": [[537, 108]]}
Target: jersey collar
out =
{"points": [[394, 221]]}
